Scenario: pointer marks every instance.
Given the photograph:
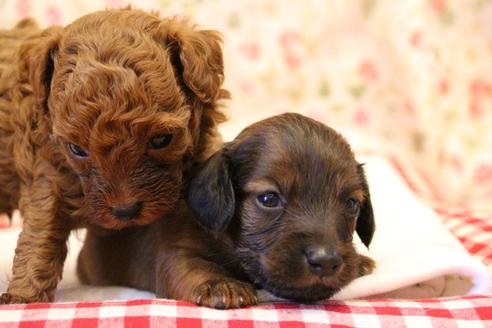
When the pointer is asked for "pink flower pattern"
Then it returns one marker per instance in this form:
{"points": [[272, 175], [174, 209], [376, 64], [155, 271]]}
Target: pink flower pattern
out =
{"points": [[410, 79]]}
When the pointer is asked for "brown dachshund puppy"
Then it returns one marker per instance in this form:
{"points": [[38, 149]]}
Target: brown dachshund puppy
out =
{"points": [[276, 208], [99, 122]]}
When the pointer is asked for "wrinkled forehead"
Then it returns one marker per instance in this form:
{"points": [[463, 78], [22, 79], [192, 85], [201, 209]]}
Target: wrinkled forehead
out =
{"points": [[306, 164], [310, 169]]}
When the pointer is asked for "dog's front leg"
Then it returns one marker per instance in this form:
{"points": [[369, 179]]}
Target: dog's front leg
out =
{"points": [[41, 247], [184, 275]]}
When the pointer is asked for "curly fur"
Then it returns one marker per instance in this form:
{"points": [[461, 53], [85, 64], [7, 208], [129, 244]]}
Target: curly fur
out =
{"points": [[108, 83]]}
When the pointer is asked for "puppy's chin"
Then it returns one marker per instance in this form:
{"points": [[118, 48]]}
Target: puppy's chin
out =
{"points": [[102, 217], [306, 294], [109, 221], [307, 289]]}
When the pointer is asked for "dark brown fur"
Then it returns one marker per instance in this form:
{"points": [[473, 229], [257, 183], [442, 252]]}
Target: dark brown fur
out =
{"points": [[109, 83], [242, 243]]}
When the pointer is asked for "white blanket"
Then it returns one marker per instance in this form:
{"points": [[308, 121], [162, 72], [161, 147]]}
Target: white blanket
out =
{"points": [[416, 256]]}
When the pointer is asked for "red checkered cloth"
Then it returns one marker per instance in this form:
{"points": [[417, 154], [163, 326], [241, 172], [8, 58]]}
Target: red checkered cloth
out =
{"points": [[470, 311], [466, 311]]}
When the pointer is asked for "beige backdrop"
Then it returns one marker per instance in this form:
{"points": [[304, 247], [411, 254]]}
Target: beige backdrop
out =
{"points": [[410, 78]]}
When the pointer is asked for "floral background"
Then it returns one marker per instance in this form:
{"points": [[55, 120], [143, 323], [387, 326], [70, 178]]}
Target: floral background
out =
{"points": [[410, 79]]}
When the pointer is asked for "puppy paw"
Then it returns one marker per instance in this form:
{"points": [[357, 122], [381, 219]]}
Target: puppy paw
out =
{"points": [[225, 294], [7, 298], [366, 266]]}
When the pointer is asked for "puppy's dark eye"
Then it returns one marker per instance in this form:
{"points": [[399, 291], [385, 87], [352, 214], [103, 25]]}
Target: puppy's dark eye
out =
{"points": [[352, 206], [160, 141], [77, 150], [270, 199]]}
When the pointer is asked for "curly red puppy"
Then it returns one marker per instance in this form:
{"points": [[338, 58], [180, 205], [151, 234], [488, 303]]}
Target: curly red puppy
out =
{"points": [[99, 121], [276, 208]]}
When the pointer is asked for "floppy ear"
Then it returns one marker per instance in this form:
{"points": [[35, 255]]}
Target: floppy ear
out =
{"points": [[36, 64], [211, 195], [365, 223], [197, 56]]}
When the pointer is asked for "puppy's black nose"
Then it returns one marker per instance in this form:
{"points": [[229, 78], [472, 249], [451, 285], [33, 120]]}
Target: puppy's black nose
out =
{"points": [[323, 263], [126, 211]]}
